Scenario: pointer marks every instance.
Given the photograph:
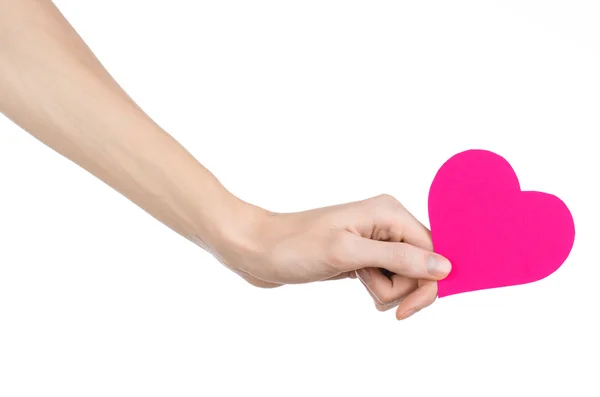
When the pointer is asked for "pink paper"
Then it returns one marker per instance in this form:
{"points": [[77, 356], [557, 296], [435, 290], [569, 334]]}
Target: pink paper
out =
{"points": [[494, 234]]}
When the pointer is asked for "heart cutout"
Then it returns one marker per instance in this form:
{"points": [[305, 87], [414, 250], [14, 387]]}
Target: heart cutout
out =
{"points": [[494, 234]]}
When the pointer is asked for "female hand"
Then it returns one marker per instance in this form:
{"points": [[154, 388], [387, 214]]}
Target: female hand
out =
{"points": [[341, 241], [53, 86]]}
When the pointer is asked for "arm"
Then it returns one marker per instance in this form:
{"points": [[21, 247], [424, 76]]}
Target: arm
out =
{"points": [[52, 86]]}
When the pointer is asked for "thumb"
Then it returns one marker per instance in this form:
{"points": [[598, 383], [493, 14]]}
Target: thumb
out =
{"points": [[400, 258]]}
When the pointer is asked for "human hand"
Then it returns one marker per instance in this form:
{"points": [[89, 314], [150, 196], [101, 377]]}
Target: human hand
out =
{"points": [[115, 140], [337, 242]]}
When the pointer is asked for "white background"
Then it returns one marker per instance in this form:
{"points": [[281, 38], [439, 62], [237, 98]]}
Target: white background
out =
{"points": [[295, 105]]}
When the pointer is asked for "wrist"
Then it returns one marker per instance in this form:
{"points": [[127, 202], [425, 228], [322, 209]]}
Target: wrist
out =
{"points": [[231, 225]]}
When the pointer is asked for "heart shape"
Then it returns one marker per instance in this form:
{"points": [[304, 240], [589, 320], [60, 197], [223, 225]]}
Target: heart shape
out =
{"points": [[493, 233]]}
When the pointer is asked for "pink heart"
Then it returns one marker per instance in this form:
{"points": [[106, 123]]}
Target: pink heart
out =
{"points": [[494, 234]]}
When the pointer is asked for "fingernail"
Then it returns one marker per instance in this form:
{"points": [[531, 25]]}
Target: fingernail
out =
{"points": [[364, 275], [438, 266], [407, 314]]}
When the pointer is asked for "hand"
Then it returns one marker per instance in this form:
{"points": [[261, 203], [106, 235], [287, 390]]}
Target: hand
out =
{"points": [[338, 242], [85, 116]]}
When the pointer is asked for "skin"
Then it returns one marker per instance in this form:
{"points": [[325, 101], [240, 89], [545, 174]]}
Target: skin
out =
{"points": [[53, 87]]}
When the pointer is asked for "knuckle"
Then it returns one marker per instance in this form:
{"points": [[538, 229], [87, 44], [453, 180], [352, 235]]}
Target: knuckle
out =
{"points": [[390, 201], [409, 261], [400, 256], [388, 207], [386, 296], [387, 199]]}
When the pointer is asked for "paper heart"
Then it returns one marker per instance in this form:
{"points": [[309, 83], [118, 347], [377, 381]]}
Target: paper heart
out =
{"points": [[494, 234]]}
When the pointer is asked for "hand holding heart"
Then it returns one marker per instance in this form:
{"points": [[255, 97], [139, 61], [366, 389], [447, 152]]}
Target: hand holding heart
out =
{"points": [[492, 234], [339, 242]]}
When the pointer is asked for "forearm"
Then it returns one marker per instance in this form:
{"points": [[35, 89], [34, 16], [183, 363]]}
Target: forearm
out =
{"points": [[53, 87]]}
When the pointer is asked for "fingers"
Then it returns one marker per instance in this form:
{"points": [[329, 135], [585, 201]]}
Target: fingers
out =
{"points": [[407, 251], [386, 292], [398, 223], [399, 258], [424, 296]]}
